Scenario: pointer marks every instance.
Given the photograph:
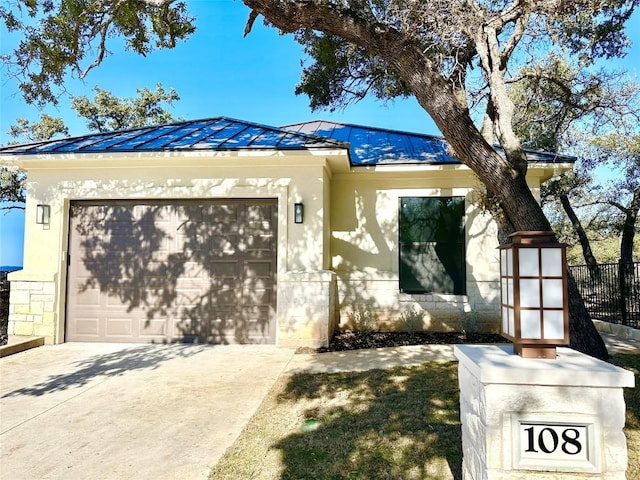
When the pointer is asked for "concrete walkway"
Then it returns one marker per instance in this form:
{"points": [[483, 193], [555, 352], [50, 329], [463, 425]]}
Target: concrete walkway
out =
{"points": [[108, 411]]}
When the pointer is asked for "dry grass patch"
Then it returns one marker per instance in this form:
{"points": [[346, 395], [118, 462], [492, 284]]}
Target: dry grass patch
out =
{"points": [[396, 423], [401, 423]]}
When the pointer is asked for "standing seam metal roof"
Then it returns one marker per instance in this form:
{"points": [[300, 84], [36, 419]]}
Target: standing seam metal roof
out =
{"points": [[378, 146], [367, 145], [219, 133]]}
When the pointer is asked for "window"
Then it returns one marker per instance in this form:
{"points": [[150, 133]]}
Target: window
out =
{"points": [[432, 257]]}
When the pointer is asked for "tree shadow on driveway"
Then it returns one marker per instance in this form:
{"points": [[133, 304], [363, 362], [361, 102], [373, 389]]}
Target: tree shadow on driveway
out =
{"points": [[111, 364]]}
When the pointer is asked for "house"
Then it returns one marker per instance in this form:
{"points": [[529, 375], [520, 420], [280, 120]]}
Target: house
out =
{"points": [[227, 231]]}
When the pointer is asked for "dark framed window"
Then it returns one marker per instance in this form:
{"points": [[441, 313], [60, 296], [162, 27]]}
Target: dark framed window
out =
{"points": [[432, 245]]}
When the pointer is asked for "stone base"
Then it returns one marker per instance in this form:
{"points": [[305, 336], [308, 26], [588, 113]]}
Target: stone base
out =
{"points": [[538, 418]]}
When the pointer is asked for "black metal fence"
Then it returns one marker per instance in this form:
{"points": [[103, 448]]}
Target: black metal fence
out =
{"points": [[611, 291]]}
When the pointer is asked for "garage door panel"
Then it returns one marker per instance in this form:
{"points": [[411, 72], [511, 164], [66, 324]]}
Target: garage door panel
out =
{"points": [[170, 271], [157, 327], [258, 269], [259, 242], [223, 296], [221, 215], [219, 269], [222, 244], [87, 326], [90, 297], [119, 326], [254, 297]]}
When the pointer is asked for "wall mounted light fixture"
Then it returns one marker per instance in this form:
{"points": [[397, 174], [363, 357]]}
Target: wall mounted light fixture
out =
{"points": [[298, 212], [43, 214]]}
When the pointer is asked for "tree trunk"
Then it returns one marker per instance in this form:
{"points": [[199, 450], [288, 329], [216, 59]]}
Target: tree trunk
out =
{"points": [[509, 185], [449, 110], [589, 258], [629, 228]]}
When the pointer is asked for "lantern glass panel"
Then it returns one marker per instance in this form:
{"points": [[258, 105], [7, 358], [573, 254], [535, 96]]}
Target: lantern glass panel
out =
{"points": [[553, 324], [528, 263], [509, 262], [503, 262], [552, 262], [530, 292], [511, 330], [530, 326], [510, 296], [512, 324], [552, 293], [505, 294], [505, 319]]}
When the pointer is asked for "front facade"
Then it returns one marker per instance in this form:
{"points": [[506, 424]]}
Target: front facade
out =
{"points": [[191, 232]]}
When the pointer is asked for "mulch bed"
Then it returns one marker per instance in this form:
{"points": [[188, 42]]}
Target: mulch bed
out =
{"points": [[352, 340]]}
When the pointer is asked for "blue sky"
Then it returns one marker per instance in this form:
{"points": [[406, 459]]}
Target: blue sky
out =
{"points": [[217, 72]]}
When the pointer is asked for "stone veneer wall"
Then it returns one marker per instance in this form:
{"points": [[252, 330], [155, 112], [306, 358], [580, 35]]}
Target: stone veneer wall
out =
{"points": [[495, 386], [476, 311], [31, 309]]}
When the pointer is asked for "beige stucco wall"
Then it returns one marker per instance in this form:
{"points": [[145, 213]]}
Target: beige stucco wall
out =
{"points": [[302, 248], [342, 259], [364, 249]]}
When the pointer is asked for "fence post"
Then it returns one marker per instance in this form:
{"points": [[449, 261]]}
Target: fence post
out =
{"points": [[623, 274]]}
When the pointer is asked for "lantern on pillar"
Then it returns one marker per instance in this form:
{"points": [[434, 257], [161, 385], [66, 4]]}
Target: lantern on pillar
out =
{"points": [[534, 302]]}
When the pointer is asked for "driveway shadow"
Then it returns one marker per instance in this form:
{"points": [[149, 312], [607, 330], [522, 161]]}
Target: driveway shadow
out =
{"points": [[112, 364]]}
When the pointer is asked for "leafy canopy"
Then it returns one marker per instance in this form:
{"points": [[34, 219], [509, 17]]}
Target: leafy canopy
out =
{"points": [[105, 112], [63, 37]]}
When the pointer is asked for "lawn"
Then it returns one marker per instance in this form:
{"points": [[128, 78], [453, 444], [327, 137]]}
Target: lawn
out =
{"points": [[401, 423]]}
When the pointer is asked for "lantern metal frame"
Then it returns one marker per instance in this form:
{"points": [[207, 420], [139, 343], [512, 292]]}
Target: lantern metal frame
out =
{"points": [[534, 302]]}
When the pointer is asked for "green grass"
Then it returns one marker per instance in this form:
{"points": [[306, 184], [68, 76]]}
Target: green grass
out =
{"points": [[401, 423]]}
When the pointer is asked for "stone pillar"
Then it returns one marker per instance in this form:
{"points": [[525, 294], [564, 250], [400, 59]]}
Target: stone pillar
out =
{"points": [[31, 309], [540, 419], [307, 308]]}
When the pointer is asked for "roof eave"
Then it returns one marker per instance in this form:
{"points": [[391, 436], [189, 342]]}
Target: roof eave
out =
{"points": [[200, 156]]}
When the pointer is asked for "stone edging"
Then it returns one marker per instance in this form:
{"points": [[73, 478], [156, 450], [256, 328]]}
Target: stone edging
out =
{"points": [[618, 330]]}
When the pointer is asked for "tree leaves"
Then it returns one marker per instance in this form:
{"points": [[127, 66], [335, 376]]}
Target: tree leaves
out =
{"points": [[62, 37], [344, 73]]}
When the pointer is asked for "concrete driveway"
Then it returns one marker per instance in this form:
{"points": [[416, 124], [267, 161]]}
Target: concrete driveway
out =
{"points": [[111, 411]]}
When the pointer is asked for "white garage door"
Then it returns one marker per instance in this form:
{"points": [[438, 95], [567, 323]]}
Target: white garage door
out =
{"points": [[191, 271]]}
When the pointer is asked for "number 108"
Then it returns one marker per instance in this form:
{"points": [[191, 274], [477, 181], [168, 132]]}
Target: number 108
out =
{"points": [[547, 439]]}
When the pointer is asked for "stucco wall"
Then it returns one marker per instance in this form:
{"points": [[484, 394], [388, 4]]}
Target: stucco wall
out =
{"points": [[342, 260], [364, 249], [301, 247]]}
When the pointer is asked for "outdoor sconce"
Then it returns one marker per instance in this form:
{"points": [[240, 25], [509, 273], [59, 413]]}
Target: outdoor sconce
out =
{"points": [[298, 212], [43, 214], [534, 302]]}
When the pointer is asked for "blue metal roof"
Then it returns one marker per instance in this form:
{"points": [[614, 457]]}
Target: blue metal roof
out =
{"points": [[367, 145], [377, 146], [219, 133]]}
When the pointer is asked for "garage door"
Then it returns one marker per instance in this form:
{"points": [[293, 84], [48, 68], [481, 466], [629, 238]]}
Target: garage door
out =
{"points": [[192, 271]]}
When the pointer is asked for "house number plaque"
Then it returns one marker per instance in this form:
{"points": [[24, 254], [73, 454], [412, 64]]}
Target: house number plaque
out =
{"points": [[555, 445]]}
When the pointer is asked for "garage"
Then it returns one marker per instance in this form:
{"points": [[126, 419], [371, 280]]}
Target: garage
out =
{"points": [[172, 271]]}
